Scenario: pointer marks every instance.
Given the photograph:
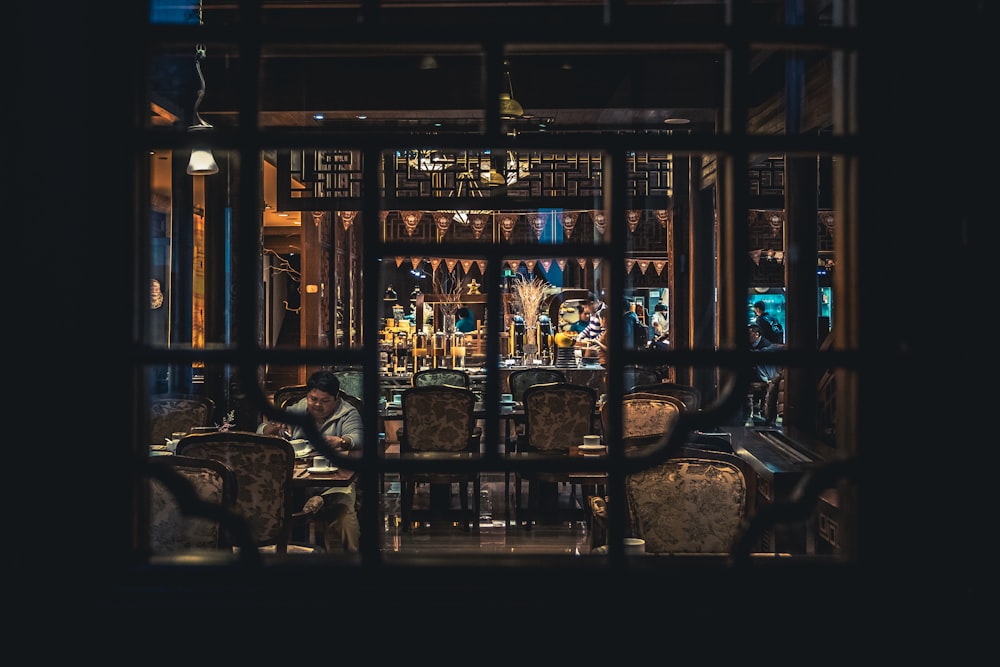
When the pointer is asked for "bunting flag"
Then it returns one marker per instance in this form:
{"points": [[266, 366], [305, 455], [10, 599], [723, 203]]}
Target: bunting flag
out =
{"points": [[643, 265], [410, 220], [664, 216], [347, 218], [600, 222], [481, 263], [514, 264], [546, 265], [466, 265], [415, 261], [537, 222], [775, 219], [530, 263], [435, 263], [399, 261], [632, 217], [450, 263], [569, 219], [629, 263], [478, 224], [442, 221], [595, 262], [582, 261], [561, 263], [755, 257], [659, 265], [827, 220], [507, 223]]}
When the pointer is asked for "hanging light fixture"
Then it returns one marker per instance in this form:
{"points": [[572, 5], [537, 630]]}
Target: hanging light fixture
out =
{"points": [[390, 295], [202, 162], [509, 107]]}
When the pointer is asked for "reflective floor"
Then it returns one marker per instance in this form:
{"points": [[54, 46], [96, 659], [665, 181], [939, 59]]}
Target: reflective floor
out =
{"points": [[501, 535]]}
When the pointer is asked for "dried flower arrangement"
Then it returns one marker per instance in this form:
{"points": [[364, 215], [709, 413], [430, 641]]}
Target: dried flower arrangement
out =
{"points": [[530, 296], [449, 289]]}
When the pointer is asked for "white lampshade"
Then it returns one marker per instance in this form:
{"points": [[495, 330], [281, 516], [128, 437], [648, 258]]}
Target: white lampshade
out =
{"points": [[202, 163]]}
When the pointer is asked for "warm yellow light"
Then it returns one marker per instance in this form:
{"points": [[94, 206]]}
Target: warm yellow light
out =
{"points": [[202, 163]]}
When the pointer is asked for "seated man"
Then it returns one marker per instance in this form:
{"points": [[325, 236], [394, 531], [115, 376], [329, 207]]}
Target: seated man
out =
{"points": [[766, 382], [341, 426]]}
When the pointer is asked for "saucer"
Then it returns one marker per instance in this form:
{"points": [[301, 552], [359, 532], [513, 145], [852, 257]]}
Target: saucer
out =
{"points": [[314, 469], [590, 448]]}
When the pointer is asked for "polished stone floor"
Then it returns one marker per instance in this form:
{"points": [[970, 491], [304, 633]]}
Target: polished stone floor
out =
{"points": [[503, 535]]}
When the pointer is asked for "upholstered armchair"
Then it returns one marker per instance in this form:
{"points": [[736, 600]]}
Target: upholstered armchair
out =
{"points": [[263, 465], [696, 502], [438, 376], [173, 525], [556, 416], [172, 413], [439, 423]]}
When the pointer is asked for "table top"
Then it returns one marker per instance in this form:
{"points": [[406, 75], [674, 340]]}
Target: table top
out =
{"points": [[302, 477]]}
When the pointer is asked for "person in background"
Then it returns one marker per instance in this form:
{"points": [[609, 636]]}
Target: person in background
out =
{"points": [[464, 321], [767, 378], [628, 328], [341, 426], [582, 321], [769, 326], [595, 320], [589, 338], [661, 326]]}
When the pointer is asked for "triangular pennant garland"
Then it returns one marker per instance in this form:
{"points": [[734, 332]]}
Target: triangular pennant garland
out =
{"points": [[466, 265], [450, 263], [561, 263], [481, 263], [546, 264], [629, 263], [399, 261], [643, 265], [659, 265]]}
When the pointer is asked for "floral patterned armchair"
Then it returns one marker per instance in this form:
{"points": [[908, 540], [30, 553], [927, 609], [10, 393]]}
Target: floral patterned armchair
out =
{"points": [[696, 502]]}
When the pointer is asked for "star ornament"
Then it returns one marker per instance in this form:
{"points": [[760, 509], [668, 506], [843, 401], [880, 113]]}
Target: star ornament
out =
{"points": [[473, 286]]}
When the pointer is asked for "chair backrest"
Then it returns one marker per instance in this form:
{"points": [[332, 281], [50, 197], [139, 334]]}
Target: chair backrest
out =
{"points": [[438, 418], [693, 503], [171, 413], [352, 382], [289, 395], [646, 418], [557, 415], [263, 465], [691, 396], [439, 376], [634, 375], [521, 379], [170, 530]]}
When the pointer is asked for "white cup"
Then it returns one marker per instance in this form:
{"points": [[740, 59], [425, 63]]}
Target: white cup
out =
{"points": [[592, 440], [635, 545], [321, 462]]}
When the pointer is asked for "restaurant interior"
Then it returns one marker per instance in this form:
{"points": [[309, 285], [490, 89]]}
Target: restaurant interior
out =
{"points": [[328, 185]]}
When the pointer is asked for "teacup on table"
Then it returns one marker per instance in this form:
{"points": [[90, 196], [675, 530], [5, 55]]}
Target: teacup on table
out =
{"points": [[635, 545]]}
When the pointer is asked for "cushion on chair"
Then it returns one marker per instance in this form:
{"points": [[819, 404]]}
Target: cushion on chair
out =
{"points": [[558, 415], [687, 505], [171, 414], [262, 475], [169, 529]]}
